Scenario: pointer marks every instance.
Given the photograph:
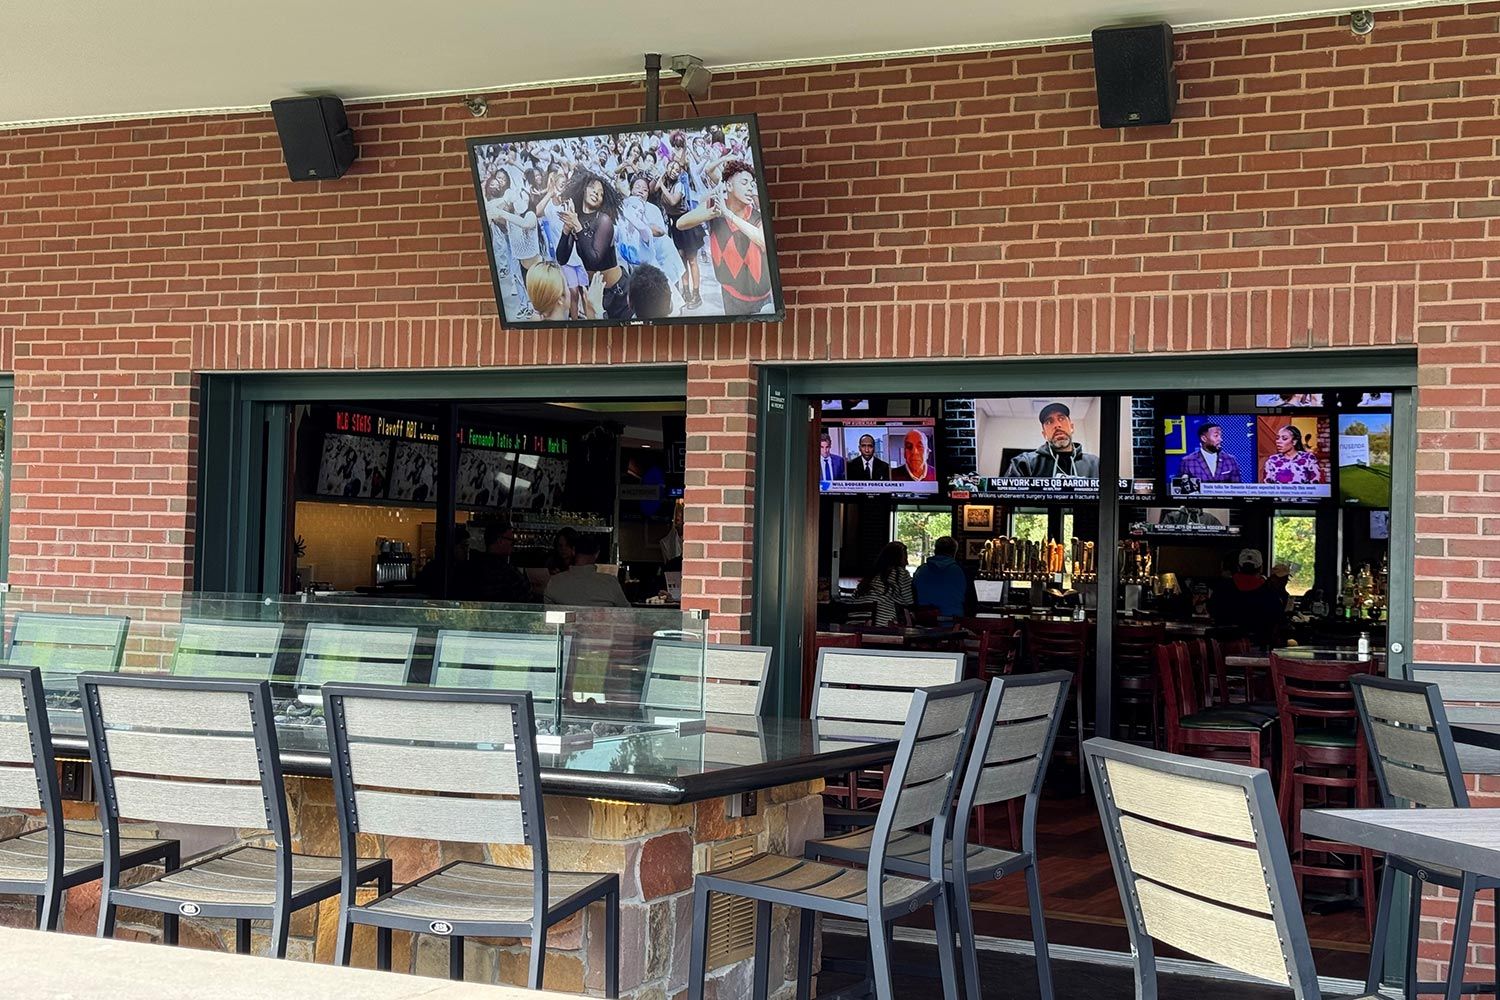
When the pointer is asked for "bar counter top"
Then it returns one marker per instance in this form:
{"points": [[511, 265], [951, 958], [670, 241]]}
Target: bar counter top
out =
{"points": [[728, 755]]}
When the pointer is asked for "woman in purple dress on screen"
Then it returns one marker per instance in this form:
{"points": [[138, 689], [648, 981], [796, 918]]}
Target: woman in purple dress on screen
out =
{"points": [[1292, 462]]}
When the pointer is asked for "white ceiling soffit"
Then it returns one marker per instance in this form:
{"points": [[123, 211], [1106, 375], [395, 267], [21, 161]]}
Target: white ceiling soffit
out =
{"points": [[69, 61]]}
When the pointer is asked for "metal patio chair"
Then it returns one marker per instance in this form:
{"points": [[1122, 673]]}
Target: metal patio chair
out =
{"points": [[243, 650], [204, 753], [1007, 760], [47, 862], [938, 727], [1201, 865], [502, 661], [866, 694], [64, 645], [454, 765], [365, 654], [1416, 762], [732, 679]]}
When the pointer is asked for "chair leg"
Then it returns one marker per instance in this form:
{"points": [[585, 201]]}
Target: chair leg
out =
{"points": [[383, 934], [537, 967], [699, 951], [880, 957], [1039, 932], [1413, 934], [963, 924], [1083, 775], [805, 953], [761, 989], [456, 958], [106, 913], [942, 916], [281, 925], [1382, 929], [612, 945], [49, 908], [1460, 960], [169, 928]]}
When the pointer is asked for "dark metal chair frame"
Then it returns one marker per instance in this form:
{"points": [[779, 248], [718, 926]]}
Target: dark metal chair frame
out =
{"points": [[986, 748], [607, 891], [1275, 864], [874, 912], [58, 880], [273, 789], [1435, 726]]}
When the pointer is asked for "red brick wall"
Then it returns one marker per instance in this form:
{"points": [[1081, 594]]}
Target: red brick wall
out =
{"points": [[1320, 190]]}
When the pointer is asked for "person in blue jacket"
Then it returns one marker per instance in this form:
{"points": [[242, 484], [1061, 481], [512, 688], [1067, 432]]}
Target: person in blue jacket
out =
{"points": [[941, 582]]}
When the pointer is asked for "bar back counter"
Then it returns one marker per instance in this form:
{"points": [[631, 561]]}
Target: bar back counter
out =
{"points": [[638, 778]]}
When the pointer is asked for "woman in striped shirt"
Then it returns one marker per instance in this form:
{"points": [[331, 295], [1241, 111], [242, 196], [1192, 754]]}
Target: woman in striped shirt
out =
{"points": [[889, 583]]}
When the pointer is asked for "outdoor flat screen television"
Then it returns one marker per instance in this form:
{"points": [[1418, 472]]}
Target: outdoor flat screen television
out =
{"points": [[869, 456], [636, 224], [1282, 457]]}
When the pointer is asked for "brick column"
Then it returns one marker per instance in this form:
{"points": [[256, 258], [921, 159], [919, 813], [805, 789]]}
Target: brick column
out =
{"points": [[720, 495]]}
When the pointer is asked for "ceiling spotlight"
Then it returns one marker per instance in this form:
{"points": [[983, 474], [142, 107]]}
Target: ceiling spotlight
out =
{"points": [[695, 76], [478, 106], [1361, 22]]}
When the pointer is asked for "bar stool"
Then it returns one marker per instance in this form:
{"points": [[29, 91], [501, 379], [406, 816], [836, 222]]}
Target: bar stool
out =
{"points": [[1135, 676], [1322, 748], [454, 765], [1063, 646], [1007, 762], [1195, 729], [47, 862], [938, 726], [1416, 762], [203, 753]]}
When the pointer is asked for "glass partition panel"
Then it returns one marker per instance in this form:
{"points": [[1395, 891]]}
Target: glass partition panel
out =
{"points": [[587, 669]]}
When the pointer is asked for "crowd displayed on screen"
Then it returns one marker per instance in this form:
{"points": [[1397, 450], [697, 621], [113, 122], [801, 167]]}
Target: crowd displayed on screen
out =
{"points": [[628, 226]]}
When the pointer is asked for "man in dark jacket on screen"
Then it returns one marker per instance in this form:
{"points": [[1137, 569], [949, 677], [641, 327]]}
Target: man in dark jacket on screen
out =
{"points": [[1059, 456]]}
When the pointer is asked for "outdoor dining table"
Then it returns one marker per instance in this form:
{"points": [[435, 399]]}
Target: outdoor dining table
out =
{"points": [[1466, 839]]}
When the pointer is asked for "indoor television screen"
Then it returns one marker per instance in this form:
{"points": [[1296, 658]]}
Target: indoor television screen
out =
{"points": [[1282, 457], [891, 456], [1365, 459], [1042, 448], [659, 223]]}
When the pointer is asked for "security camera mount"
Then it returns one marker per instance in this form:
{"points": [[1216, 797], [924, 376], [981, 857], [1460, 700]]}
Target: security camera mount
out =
{"points": [[1361, 22]]}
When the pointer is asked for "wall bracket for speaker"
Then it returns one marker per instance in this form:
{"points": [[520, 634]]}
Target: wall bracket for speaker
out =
{"points": [[696, 77]]}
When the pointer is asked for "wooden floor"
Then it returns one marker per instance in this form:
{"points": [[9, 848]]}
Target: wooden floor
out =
{"points": [[1083, 904]]}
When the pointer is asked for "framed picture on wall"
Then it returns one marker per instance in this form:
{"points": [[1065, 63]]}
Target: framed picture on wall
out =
{"points": [[979, 517], [974, 549]]}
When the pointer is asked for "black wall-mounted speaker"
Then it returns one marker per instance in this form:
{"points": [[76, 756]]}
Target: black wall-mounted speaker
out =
{"points": [[1134, 76], [315, 137]]}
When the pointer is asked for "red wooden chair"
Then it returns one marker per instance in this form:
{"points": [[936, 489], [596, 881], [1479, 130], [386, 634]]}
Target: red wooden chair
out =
{"points": [[1194, 729]]}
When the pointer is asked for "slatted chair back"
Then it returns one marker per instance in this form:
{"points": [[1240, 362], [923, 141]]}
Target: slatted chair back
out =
{"points": [[240, 649], [28, 778], [455, 765], [994, 644], [1201, 864], [501, 661], [63, 644], [1012, 744], [876, 685], [935, 738], [1314, 693], [184, 750], [1135, 648], [370, 654], [724, 678], [1174, 685], [1406, 728], [1057, 645]]}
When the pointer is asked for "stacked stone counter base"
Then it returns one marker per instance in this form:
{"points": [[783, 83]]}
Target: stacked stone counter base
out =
{"points": [[655, 848]]}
